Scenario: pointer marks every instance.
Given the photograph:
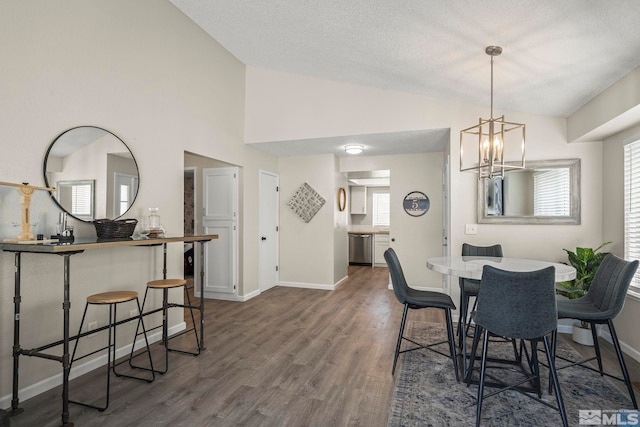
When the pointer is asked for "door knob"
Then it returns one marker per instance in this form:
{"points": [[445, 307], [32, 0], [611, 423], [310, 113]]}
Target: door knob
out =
{"points": [[263, 238]]}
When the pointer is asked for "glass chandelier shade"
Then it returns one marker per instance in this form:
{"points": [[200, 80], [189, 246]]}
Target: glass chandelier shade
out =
{"points": [[500, 145]]}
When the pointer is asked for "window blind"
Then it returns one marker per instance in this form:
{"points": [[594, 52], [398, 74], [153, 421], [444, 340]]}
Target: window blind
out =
{"points": [[381, 209], [551, 193], [632, 207], [81, 200]]}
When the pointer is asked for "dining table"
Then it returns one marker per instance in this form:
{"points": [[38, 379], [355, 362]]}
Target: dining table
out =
{"points": [[470, 267]]}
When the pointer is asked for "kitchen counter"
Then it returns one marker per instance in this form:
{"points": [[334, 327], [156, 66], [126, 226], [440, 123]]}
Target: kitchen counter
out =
{"points": [[368, 232]]}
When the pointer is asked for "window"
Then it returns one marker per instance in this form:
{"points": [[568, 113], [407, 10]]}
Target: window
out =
{"points": [[381, 209], [552, 192], [632, 207], [77, 198]]}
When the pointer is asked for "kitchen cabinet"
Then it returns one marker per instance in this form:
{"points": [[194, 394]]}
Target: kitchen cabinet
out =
{"points": [[380, 244], [358, 200]]}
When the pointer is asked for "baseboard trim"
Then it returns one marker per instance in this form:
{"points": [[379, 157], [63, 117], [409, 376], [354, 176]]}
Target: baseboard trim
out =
{"points": [[47, 384], [307, 285]]}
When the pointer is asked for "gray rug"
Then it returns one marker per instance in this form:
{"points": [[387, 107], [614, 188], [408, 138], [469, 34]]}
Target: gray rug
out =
{"points": [[427, 394]]}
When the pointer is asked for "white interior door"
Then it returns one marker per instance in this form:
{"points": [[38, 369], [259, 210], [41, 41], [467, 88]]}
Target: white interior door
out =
{"points": [[268, 229], [220, 213]]}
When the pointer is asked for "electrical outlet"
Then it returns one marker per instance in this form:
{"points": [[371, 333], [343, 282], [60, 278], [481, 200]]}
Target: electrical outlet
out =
{"points": [[91, 326], [471, 229]]}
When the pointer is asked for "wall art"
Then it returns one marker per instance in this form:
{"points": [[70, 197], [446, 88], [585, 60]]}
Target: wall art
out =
{"points": [[306, 202]]}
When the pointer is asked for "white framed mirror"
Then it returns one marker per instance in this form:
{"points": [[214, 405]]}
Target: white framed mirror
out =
{"points": [[91, 162], [544, 192]]}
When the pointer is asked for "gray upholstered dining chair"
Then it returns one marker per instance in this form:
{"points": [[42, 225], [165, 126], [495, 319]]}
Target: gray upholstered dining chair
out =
{"points": [[417, 299], [469, 287], [601, 305], [517, 305]]}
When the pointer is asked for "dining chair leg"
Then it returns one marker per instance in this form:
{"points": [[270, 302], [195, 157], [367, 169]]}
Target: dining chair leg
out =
{"points": [[468, 371], [596, 346], [400, 335], [452, 343], [462, 318], [483, 367], [554, 337], [623, 366], [468, 323], [535, 367], [553, 374]]}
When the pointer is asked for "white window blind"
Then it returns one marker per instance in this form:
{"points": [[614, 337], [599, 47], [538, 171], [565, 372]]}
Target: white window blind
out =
{"points": [[551, 193], [81, 200], [632, 207], [381, 209]]}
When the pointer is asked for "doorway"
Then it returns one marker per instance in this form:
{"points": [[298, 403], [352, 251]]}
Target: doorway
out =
{"points": [[211, 193]]}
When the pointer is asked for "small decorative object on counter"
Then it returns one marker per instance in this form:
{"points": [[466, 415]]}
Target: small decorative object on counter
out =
{"points": [[26, 191], [64, 231], [154, 219], [155, 228], [114, 229]]}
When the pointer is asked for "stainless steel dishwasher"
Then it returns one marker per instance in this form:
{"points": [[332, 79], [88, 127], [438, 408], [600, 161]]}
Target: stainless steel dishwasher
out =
{"points": [[360, 249]]}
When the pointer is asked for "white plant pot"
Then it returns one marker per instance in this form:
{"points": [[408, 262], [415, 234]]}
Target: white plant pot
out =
{"points": [[582, 335]]}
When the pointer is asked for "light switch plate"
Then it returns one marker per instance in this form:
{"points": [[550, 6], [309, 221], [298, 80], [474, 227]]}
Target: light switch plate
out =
{"points": [[471, 229]]}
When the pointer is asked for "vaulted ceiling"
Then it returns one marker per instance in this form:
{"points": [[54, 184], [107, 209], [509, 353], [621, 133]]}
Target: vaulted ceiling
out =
{"points": [[557, 55]]}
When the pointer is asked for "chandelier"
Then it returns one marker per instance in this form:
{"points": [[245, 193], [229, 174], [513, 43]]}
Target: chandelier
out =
{"points": [[500, 144]]}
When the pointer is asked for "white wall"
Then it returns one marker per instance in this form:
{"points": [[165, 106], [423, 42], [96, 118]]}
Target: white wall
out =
{"points": [[283, 106], [340, 237], [307, 248], [414, 238], [613, 227], [123, 66]]}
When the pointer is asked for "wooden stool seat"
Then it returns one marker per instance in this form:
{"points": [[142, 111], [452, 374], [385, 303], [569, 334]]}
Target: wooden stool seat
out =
{"points": [[114, 297], [166, 283]]}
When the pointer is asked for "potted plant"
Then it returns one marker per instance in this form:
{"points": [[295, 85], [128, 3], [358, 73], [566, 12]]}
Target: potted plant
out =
{"points": [[586, 262]]}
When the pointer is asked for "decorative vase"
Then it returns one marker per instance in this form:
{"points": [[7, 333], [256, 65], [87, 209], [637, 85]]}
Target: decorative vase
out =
{"points": [[582, 335]]}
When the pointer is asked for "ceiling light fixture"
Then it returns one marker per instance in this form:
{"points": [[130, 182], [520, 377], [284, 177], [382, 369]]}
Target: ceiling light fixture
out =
{"points": [[494, 139], [353, 149]]}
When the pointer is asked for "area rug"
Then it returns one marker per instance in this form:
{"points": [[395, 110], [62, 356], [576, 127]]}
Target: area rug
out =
{"points": [[427, 394]]}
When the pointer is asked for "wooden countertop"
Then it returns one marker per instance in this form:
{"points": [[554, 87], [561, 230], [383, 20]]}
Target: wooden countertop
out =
{"points": [[80, 245]]}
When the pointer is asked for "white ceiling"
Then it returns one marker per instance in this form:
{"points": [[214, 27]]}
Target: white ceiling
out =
{"points": [[557, 55]]}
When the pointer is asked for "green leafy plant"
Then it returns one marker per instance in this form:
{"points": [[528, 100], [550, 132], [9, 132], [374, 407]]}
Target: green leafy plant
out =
{"points": [[586, 262]]}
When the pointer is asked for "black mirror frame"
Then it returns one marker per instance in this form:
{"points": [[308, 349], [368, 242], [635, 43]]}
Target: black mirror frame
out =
{"points": [[46, 179]]}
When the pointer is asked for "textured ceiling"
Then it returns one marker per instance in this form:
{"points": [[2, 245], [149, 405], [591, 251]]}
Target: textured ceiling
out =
{"points": [[557, 55]]}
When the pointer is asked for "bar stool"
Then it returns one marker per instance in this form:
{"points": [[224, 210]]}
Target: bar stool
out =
{"points": [[112, 299], [165, 285]]}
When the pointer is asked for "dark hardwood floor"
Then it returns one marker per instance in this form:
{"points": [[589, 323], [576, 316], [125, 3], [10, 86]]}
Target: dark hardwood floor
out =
{"points": [[294, 357]]}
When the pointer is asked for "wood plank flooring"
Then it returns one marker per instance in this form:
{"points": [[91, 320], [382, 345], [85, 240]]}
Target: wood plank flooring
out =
{"points": [[289, 357]]}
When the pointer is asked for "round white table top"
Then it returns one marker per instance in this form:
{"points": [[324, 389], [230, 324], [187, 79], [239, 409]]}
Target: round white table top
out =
{"points": [[470, 267]]}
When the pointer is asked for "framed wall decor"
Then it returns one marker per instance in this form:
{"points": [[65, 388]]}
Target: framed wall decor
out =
{"points": [[306, 202], [342, 199], [416, 203]]}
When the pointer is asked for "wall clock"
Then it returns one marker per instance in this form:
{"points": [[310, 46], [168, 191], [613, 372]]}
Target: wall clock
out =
{"points": [[416, 203]]}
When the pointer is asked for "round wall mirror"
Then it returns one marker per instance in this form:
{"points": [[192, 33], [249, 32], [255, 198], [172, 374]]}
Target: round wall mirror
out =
{"points": [[342, 199], [94, 173]]}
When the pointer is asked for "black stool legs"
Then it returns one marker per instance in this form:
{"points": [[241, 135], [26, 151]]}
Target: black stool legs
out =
{"points": [[112, 301], [165, 285]]}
